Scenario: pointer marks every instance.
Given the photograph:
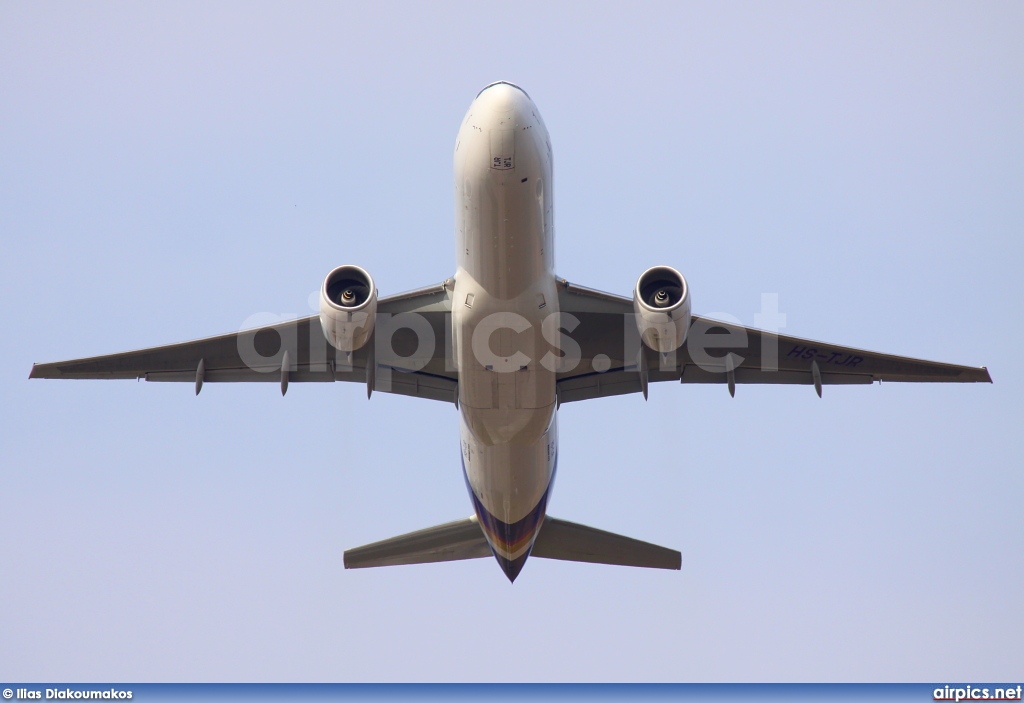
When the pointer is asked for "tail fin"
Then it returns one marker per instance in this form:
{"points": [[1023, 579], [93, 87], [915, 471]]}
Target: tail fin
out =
{"points": [[568, 541]]}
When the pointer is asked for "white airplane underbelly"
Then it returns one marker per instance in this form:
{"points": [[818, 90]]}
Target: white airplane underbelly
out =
{"points": [[504, 289]]}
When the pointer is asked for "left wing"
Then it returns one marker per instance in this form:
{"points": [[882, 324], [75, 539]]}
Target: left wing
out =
{"points": [[613, 361], [297, 351]]}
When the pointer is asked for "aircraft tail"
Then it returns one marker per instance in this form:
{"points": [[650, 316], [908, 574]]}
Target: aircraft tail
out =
{"points": [[568, 541], [462, 539], [558, 539]]}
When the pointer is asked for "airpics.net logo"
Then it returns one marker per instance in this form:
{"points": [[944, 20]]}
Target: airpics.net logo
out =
{"points": [[409, 341], [977, 693]]}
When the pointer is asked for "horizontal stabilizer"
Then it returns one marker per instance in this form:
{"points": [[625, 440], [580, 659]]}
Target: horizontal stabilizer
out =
{"points": [[462, 539], [559, 539]]}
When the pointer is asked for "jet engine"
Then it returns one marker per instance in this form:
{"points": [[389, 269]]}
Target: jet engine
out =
{"points": [[661, 301], [348, 307]]}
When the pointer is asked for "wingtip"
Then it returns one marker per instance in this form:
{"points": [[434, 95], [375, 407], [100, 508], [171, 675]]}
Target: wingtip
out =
{"points": [[44, 371]]}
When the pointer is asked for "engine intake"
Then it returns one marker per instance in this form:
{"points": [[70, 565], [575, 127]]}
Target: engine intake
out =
{"points": [[348, 307], [661, 301]]}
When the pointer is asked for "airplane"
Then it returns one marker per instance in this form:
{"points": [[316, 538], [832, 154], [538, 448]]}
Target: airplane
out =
{"points": [[508, 342]]}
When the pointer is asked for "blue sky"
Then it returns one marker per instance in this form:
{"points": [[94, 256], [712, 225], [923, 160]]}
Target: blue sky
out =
{"points": [[169, 170]]}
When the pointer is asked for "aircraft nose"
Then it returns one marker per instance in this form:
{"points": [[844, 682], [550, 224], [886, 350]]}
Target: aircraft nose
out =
{"points": [[503, 97]]}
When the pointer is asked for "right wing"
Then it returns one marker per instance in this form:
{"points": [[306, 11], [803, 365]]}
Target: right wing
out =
{"points": [[297, 351], [718, 352]]}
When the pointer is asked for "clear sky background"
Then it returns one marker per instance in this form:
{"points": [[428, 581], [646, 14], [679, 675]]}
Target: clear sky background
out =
{"points": [[169, 170]]}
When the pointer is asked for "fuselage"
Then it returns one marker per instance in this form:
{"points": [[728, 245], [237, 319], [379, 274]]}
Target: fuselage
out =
{"points": [[504, 290]]}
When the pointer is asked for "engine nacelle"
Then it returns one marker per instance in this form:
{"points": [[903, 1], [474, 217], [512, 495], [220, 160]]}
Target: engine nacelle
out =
{"points": [[348, 307], [661, 301]]}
